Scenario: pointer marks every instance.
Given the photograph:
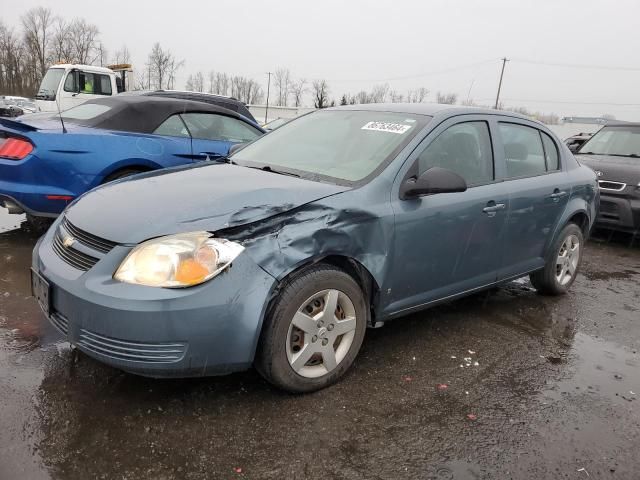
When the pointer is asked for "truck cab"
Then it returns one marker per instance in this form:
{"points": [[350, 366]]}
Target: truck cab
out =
{"points": [[67, 85]]}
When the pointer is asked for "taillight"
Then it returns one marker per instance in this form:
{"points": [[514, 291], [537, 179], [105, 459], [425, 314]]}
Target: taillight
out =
{"points": [[14, 148]]}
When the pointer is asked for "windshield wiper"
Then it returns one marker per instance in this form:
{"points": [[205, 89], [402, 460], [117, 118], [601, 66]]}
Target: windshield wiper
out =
{"points": [[268, 168]]}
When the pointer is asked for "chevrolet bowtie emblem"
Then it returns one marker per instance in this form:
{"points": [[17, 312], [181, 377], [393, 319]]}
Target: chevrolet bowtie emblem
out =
{"points": [[68, 241], [598, 173]]}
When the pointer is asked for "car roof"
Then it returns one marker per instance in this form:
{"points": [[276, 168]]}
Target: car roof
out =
{"points": [[430, 109], [143, 114]]}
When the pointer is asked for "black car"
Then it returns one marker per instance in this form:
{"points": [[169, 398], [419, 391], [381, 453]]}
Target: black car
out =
{"points": [[614, 154], [229, 103], [574, 142]]}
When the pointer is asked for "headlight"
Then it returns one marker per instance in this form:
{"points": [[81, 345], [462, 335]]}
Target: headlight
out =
{"points": [[176, 261]]}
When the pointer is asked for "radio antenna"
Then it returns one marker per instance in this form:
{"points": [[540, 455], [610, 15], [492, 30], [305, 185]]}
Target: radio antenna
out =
{"points": [[64, 130]]}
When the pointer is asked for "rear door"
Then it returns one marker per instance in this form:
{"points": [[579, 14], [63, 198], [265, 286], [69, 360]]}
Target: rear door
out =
{"points": [[538, 189], [212, 134]]}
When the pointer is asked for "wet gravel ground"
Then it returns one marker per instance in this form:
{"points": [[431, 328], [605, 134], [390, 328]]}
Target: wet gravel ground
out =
{"points": [[504, 384]]}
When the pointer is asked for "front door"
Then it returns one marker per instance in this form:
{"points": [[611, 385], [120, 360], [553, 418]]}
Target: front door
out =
{"points": [[446, 244]]}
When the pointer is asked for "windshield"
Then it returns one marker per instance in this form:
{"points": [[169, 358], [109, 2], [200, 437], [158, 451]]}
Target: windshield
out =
{"points": [[49, 85], [344, 145], [620, 141]]}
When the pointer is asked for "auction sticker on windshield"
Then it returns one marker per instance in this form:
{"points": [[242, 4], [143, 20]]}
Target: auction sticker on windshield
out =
{"points": [[387, 127]]}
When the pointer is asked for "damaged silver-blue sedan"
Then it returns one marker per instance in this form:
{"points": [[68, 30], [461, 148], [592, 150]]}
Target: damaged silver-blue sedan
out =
{"points": [[282, 256]]}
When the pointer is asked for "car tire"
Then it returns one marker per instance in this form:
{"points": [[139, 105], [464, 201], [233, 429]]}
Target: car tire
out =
{"points": [[562, 264], [121, 174], [301, 361]]}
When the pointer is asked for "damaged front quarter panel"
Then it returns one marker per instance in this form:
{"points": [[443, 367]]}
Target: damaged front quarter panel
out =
{"points": [[360, 230]]}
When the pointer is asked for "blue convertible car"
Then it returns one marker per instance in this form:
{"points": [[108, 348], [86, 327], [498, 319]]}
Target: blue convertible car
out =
{"points": [[46, 162], [341, 219]]}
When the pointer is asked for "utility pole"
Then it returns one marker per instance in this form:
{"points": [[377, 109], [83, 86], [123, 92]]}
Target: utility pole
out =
{"points": [[504, 62], [266, 110]]}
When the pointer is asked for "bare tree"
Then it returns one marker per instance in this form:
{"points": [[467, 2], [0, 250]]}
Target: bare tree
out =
{"points": [[395, 97], [320, 93], [61, 48], [195, 83], [282, 83], [447, 98], [417, 95], [298, 88], [15, 76], [162, 66], [37, 24], [121, 56], [379, 93], [245, 89], [84, 40]]}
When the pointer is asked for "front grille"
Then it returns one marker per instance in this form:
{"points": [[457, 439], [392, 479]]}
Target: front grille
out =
{"points": [[60, 322], [73, 257], [87, 239], [131, 351], [612, 186]]}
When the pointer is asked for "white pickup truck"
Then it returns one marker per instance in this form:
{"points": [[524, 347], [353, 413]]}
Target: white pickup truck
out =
{"points": [[67, 85]]}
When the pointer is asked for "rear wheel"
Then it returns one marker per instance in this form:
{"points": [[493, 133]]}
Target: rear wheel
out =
{"points": [[314, 331], [122, 174], [561, 268]]}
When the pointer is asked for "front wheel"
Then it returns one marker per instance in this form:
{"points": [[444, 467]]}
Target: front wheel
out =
{"points": [[562, 265], [314, 330]]}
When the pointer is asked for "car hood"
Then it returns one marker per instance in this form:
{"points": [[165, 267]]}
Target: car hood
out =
{"points": [[613, 168], [204, 197]]}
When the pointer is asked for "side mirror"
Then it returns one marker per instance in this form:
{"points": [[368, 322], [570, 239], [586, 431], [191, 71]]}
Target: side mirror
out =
{"points": [[574, 147], [236, 147], [435, 180]]}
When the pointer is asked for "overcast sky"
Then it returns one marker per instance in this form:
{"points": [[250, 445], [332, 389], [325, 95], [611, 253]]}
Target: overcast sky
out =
{"points": [[444, 45]]}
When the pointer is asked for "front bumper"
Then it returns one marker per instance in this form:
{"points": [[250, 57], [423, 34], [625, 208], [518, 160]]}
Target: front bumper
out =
{"points": [[619, 212], [205, 330]]}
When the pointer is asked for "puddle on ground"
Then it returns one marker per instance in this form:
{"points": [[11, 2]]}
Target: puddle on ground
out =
{"points": [[599, 368]]}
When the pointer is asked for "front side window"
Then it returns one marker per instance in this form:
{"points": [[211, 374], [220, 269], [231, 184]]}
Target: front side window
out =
{"points": [[70, 82], [523, 150], [464, 148], [623, 141], [172, 127], [341, 146], [210, 126]]}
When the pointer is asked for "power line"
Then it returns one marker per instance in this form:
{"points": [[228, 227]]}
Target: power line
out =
{"points": [[417, 75], [575, 65]]}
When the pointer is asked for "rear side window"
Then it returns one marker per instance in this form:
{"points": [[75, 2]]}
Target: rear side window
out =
{"points": [[550, 152], [209, 126], [523, 150], [172, 127], [464, 148]]}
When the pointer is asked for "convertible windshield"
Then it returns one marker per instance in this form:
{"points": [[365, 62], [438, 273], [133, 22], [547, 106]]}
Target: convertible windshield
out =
{"points": [[346, 145], [619, 140]]}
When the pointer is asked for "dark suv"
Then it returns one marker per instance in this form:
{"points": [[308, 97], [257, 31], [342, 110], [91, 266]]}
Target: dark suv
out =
{"points": [[614, 154]]}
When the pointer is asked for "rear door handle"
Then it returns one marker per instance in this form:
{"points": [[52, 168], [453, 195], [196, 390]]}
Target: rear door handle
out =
{"points": [[557, 195]]}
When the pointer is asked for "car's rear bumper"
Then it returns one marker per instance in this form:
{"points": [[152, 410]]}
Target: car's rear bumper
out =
{"points": [[619, 212], [32, 193], [205, 330]]}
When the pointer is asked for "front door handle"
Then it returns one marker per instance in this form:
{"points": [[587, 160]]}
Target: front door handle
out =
{"points": [[557, 195], [492, 208]]}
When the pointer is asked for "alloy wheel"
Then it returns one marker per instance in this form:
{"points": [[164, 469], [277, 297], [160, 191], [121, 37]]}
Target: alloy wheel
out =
{"points": [[568, 258], [321, 333]]}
